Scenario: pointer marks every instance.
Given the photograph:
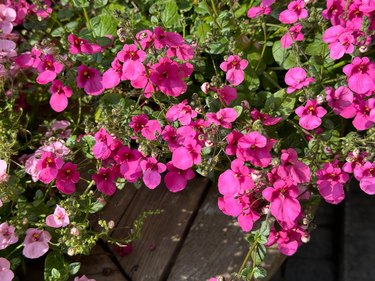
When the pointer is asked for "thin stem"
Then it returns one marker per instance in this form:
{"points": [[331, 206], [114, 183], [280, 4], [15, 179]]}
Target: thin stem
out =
{"points": [[87, 18]]}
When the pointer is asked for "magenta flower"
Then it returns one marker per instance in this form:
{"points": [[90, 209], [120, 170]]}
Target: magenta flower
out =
{"points": [[67, 178], [3, 171], [166, 38], [151, 172], [226, 94], [145, 38], [296, 11], [151, 130], [7, 17], [285, 206], [181, 112], [176, 179], [224, 117], [90, 80], [82, 46], [365, 116], [294, 34], [7, 236], [287, 241], [105, 181], [339, 99], [354, 159], [366, 176], [112, 77], [102, 148], [344, 45], [48, 69], [36, 242], [138, 122], [263, 9], [132, 59], [168, 76], [187, 155], [334, 11], [29, 59], [255, 148], [265, 118], [310, 115], [235, 180], [232, 140], [331, 180], [234, 67], [360, 74], [60, 95], [184, 52], [42, 11], [293, 169], [48, 167], [296, 78], [130, 168], [58, 219], [5, 273]]}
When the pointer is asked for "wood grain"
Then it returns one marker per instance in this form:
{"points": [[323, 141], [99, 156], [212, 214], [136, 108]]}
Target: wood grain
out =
{"points": [[162, 235], [214, 246]]}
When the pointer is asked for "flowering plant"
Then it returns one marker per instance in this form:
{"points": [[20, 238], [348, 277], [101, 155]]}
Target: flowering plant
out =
{"points": [[274, 101]]}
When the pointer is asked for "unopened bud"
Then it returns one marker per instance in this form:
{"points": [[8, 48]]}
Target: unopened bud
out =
{"points": [[208, 143], [74, 231], [205, 87], [245, 104], [328, 150], [71, 251], [111, 224], [305, 238], [320, 99], [363, 49], [266, 210], [25, 221]]}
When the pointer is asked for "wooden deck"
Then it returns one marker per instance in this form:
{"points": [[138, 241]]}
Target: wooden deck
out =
{"points": [[190, 240]]}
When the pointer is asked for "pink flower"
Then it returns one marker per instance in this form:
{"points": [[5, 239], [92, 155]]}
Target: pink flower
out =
{"points": [[102, 148], [331, 180], [4, 177], [28, 59], [112, 77], [296, 10], [354, 159], [176, 179], [48, 69], [36, 243], [344, 45], [334, 11], [79, 46], [138, 122], [105, 181], [183, 52], [339, 99], [187, 155], [294, 34], [288, 241], [58, 219], [132, 59], [83, 278], [255, 148], [7, 17], [145, 38], [263, 9], [234, 67], [181, 112], [42, 11], [366, 176], [236, 179], [284, 204], [5, 273], [360, 74], [90, 80], [226, 94], [166, 38], [168, 76], [48, 167], [296, 78], [365, 116], [151, 172], [60, 95], [310, 115], [266, 119], [7, 236], [67, 178], [129, 160], [151, 130], [232, 140], [293, 169], [224, 117]]}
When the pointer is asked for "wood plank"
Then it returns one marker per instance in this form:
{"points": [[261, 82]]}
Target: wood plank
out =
{"points": [[99, 266], [214, 246], [162, 235]]}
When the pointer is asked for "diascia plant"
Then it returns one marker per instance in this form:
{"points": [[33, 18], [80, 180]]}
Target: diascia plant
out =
{"points": [[274, 101]]}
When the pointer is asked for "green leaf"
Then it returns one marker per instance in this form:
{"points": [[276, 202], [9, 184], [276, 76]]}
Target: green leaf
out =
{"points": [[238, 109], [280, 103], [74, 268], [283, 57], [95, 207], [259, 272], [317, 47], [170, 16], [88, 142], [58, 32], [202, 8], [81, 3], [103, 25], [100, 3], [55, 267]]}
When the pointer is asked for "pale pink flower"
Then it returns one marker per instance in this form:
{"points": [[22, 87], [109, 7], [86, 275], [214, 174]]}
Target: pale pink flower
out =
{"points": [[83, 278], [58, 219], [4, 177], [7, 17], [7, 235], [36, 243], [5, 273]]}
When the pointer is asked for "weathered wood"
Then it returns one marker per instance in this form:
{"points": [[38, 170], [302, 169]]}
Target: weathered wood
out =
{"points": [[162, 235], [99, 266], [214, 246]]}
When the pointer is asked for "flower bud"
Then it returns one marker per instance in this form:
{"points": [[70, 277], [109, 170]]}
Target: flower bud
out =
{"points": [[328, 150], [71, 251], [320, 99], [208, 143], [245, 104], [111, 224], [266, 210], [305, 238], [363, 49], [205, 87], [74, 231]]}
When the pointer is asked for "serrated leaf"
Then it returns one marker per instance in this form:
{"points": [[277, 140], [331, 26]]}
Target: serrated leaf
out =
{"points": [[283, 57], [259, 272], [81, 3], [96, 207], [103, 25], [170, 16], [238, 110]]}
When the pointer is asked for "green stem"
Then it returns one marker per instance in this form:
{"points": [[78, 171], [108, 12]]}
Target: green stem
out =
{"points": [[87, 18]]}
